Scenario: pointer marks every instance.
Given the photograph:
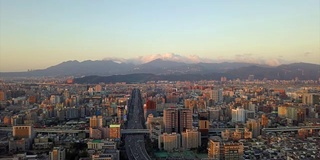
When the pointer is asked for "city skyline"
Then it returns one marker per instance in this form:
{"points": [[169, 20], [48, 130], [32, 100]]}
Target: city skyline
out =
{"points": [[37, 35], [220, 119]]}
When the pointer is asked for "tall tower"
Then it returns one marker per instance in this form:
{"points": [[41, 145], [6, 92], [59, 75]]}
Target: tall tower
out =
{"points": [[185, 120], [170, 120], [177, 120]]}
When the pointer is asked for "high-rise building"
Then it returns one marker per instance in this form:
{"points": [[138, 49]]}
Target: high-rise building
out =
{"points": [[120, 113], [96, 121], [16, 120], [291, 113], [226, 135], [98, 88], [301, 115], [82, 111], [217, 149], [90, 90], [238, 115], [150, 108], [58, 153], [203, 117], [75, 100], [203, 114], [169, 142], [170, 120], [203, 125], [250, 114], [99, 133], [155, 126], [20, 144], [109, 155], [310, 98], [23, 137], [151, 119], [61, 114], [190, 103], [282, 111], [66, 94], [98, 144], [115, 131], [72, 112], [264, 121], [252, 107], [217, 95], [7, 120], [95, 133], [32, 99], [177, 120], [23, 131], [294, 113], [2, 96], [237, 134], [233, 151], [254, 126], [191, 138], [184, 120], [214, 147], [247, 134], [172, 98], [214, 114], [54, 99]]}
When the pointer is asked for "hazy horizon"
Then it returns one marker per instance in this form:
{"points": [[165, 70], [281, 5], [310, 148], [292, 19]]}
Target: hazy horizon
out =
{"points": [[178, 58], [40, 34]]}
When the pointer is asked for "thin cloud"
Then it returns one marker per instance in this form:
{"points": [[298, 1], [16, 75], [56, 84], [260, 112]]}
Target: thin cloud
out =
{"points": [[244, 55], [244, 58], [272, 62], [307, 54]]}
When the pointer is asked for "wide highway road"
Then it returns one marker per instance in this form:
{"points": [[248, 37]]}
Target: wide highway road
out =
{"points": [[135, 143]]}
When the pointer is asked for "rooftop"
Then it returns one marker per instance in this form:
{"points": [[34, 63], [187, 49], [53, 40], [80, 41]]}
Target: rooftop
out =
{"points": [[96, 141], [114, 125]]}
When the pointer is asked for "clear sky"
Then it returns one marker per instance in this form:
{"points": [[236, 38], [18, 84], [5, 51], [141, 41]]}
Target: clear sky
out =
{"points": [[36, 34]]}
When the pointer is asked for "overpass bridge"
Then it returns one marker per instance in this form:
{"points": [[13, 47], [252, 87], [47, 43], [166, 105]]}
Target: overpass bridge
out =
{"points": [[290, 129], [212, 131], [135, 131], [48, 130], [217, 131], [73, 131]]}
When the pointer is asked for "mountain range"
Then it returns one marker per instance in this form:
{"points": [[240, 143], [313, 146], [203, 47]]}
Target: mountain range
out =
{"points": [[166, 57], [162, 69]]}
